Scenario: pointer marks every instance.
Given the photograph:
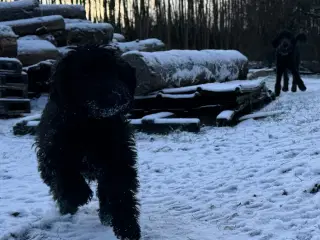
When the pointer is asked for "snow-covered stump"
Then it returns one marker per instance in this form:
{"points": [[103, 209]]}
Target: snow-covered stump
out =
{"points": [[35, 51], [37, 25], [85, 33], [8, 42], [14, 10], [146, 45], [179, 68], [65, 10]]}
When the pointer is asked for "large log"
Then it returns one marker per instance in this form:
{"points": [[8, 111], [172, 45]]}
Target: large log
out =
{"points": [[8, 42], [18, 9], [37, 25], [34, 51], [65, 10], [86, 33], [179, 68], [146, 45]]}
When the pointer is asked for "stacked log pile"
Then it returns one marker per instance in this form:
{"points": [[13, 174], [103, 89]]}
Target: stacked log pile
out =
{"points": [[34, 33], [13, 88]]}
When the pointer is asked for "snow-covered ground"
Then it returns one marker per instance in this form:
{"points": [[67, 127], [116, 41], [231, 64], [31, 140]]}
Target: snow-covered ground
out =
{"points": [[246, 182]]}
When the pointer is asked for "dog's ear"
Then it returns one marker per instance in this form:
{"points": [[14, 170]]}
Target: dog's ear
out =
{"points": [[301, 37]]}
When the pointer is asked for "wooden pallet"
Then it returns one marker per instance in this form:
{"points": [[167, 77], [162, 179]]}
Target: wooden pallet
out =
{"points": [[161, 122], [13, 81], [190, 107], [10, 107]]}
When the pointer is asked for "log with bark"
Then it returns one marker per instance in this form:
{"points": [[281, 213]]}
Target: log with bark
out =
{"points": [[178, 68], [8, 42], [36, 26], [34, 51], [65, 10], [18, 10], [85, 33], [146, 45]]}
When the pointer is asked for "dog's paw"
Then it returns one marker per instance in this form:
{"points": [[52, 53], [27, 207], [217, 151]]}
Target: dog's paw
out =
{"points": [[302, 87], [132, 232], [293, 88], [285, 89], [105, 218], [66, 207]]}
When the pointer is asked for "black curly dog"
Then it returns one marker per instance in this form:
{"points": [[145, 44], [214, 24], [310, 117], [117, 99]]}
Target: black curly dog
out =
{"points": [[84, 136], [288, 58]]}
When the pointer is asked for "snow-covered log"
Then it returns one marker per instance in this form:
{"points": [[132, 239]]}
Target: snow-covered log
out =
{"points": [[146, 45], [8, 42], [179, 68], [35, 51], [49, 37], [14, 10], [76, 20], [65, 10], [117, 37], [84, 33], [36, 25]]}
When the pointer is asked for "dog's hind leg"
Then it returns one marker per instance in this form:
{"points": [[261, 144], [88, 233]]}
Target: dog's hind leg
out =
{"points": [[285, 87], [296, 80]]}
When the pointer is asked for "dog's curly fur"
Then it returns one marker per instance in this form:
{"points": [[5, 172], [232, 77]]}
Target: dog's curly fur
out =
{"points": [[288, 58], [83, 136]]}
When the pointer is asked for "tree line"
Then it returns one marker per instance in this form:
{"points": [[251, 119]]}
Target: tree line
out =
{"points": [[246, 25]]}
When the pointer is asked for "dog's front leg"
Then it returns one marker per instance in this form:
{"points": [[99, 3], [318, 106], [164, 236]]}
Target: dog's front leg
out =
{"points": [[285, 87], [277, 88], [117, 189], [58, 166]]}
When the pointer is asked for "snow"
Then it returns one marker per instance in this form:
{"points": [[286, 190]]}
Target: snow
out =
{"points": [[23, 4], [7, 32], [30, 37], [227, 114], [31, 21], [176, 121], [180, 96], [158, 115], [75, 20], [179, 68], [9, 59], [35, 46], [88, 27], [140, 45], [33, 123], [14, 100], [245, 182], [118, 37], [260, 115]]}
